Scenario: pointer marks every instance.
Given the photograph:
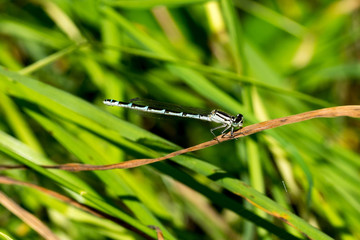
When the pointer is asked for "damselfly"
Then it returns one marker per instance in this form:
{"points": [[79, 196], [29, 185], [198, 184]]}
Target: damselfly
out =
{"points": [[228, 121]]}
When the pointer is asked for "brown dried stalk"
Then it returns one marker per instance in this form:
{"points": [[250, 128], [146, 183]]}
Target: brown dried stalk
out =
{"points": [[27, 217], [341, 111], [41, 228]]}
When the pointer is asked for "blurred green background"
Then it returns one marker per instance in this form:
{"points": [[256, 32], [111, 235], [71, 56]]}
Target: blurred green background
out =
{"points": [[265, 59]]}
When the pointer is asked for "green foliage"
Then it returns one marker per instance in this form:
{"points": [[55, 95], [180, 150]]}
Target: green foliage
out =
{"points": [[60, 59]]}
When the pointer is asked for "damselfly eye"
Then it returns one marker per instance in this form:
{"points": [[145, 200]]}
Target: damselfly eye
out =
{"points": [[239, 118]]}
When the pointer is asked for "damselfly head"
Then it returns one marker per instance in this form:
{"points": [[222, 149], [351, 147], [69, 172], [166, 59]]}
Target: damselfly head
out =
{"points": [[238, 120]]}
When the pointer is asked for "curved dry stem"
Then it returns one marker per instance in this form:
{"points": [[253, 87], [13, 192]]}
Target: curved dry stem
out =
{"points": [[341, 111]]}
